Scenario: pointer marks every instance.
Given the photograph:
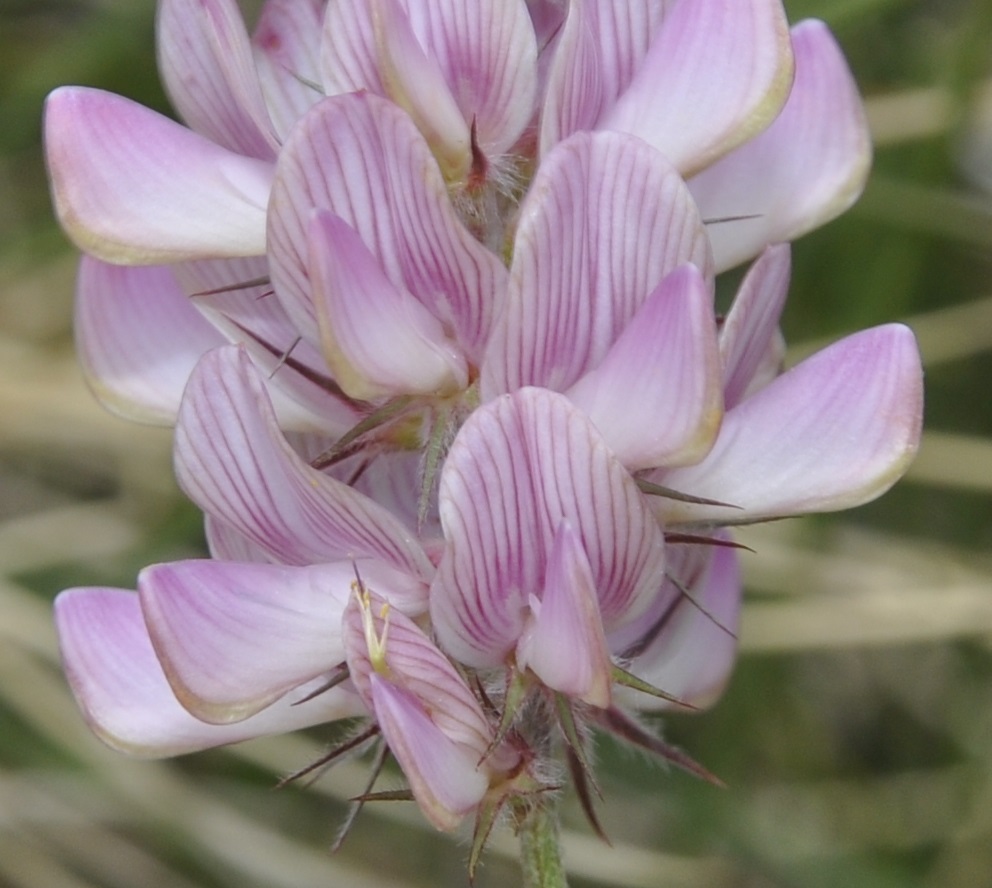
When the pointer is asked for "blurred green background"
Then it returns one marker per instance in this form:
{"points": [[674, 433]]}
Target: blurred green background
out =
{"points": [[856, 736]]}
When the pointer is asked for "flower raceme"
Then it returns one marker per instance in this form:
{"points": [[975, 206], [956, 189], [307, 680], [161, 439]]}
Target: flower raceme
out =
{"points": [[427, 289]]}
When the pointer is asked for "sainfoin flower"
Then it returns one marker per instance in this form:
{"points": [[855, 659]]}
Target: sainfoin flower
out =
{"points": [[468, 251]]}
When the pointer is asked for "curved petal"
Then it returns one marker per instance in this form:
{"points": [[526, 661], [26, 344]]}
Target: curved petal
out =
{"points": [[750, 330], [717, 73], [232, 461], [132, 187], [378, 339], [287, 56], [600, 49], [361, 158], [520, 466], [445, 778], [206, 63], [563, 642], [379, 638], [477, 60], [606, 218], [835, 431], [138, 337], [808, 167], [692, 656], [656, 397], [125, 698], [234, 638]]}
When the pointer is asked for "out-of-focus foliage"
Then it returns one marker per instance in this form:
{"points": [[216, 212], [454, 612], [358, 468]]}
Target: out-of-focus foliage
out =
{"points": [[855, 735]]}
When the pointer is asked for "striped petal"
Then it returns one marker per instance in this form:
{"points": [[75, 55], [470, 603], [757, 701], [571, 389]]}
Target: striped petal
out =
{"points": [[520, 466], [206, 62], [286, 42], [835, 431], [656, 397], [132, 187], [234, 463], [362, 159], [808, 167], [452, 65], [378, 339], [599, 51], [121, 688], [605, 220]]}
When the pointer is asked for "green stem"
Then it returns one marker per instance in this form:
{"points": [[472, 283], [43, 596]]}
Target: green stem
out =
{"points": [[540, 851]]}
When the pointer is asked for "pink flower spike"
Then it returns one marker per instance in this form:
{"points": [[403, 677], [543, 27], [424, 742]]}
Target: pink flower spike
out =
{"points": [[836, 431], [234, 638], [125, 698], [206, 63], [717, 73], [749, 337], [233, 461], [563, 643], [656, 397], [520, 466], [378, 339], [809, 166], [132, 187], [138, 338]]}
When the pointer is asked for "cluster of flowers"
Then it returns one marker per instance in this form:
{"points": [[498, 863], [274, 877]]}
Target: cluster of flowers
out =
{"points": [[427, 289]]}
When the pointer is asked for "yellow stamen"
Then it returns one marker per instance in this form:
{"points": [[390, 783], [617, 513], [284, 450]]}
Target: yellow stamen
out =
{"points": [[375, 643]]}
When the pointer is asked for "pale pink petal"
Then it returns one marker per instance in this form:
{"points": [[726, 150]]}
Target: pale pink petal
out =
{"points": [[361, 158], [750, 330], [125, 698], [227, 544], [233, 461], [563, 642], [606, 218], [414, 662], [206, 63], [234, 638], [520, 466], [601, 47], [808, 167], [656, 397], [452, 65], [445, 778], [835, 431], [488, 53], [717, 73], [693, 653], [286, 41], [131, 186], [138, 338], [378, 339]]}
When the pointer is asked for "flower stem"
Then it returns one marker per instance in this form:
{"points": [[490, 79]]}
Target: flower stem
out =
{"points": [[540, 851]]}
